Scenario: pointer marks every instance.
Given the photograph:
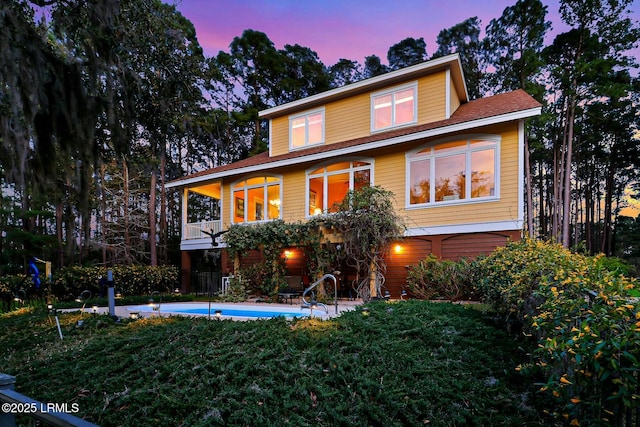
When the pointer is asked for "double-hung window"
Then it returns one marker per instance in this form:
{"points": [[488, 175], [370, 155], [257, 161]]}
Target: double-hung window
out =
{"points": [[256, 199], [392, 108], [453, 171], [328, 185], [306, 129]]}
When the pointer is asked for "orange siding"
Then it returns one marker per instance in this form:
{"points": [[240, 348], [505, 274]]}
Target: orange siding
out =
{"points": [[390, 170], [431, 98], [293, 199]]}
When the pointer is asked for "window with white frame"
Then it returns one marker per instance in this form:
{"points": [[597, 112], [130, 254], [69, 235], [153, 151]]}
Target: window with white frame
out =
{"points": [[256, 199], [396, 107], [328, 185], [453, 171], [306, 129]]}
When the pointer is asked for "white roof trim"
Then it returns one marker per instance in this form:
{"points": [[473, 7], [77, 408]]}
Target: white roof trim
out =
{"points": [[362, 147], [472, 227]]}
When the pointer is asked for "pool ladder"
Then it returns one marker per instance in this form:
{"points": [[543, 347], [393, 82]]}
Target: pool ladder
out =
{"points": [[312, 304]]}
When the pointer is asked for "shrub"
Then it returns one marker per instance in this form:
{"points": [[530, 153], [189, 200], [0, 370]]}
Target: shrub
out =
{"points": [[435, 278], [68, 282], [237, 290], [256, 279], [508, 277], [585, 322]]}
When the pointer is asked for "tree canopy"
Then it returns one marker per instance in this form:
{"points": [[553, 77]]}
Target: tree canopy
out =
{"points": [[104, 101]]}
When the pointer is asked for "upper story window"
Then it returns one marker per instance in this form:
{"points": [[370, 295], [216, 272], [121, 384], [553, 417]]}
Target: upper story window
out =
{"points": [[328, 185], [454, 171], [396, 107], [256, 199], [306, 129]]}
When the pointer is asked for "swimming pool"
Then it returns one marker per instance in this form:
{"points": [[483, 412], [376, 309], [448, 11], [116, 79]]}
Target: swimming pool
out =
{"points": [[233, 311]]}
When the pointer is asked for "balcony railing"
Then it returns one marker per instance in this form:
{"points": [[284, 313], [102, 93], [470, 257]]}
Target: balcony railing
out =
{"points": [[195, 230]]}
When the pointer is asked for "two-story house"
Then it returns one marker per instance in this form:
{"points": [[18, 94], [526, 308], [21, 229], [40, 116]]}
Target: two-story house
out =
{"points": [[455, 166]]}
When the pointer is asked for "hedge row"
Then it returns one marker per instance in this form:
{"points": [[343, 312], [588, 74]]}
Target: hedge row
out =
{"points": [[69, 282], [586, 322]]}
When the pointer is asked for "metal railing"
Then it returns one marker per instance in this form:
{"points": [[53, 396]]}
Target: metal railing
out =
{"points": [[14, 403], [307, 304]]}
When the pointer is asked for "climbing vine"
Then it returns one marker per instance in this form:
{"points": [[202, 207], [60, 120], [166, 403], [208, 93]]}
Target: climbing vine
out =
{"points": [[272, 238], [365, 224]]}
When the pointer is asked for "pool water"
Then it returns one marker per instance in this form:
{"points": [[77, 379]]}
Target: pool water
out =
{"points": [[227, 310]]}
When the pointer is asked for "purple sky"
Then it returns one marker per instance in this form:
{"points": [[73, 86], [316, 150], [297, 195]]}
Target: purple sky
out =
{"points": [[335, 29]]}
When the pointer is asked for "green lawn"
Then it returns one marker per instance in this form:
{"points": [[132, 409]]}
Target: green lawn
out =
{"points": [[408, 363]]}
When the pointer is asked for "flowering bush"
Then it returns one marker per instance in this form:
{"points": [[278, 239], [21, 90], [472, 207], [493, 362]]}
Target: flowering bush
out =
{"points": [[586, 324]]}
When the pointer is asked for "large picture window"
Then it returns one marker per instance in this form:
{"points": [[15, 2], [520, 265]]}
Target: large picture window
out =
{"points": [[461, 170], [328, 185], [256, 199], [306, 129], [393, 108]]}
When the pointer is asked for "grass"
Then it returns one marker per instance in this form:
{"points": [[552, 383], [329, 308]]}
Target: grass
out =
{"points": [[410, 363]]}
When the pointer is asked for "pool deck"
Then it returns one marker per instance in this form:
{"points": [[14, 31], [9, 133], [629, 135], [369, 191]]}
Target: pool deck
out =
{"points": [[165, 308]]}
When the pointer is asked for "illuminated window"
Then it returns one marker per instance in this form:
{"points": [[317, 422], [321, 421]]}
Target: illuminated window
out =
{"points": [[440, 173], [256, 199], [328, 185], [306, 129], [393, 108]]}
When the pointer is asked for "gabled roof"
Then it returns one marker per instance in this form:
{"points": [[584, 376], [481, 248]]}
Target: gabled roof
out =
{"points": [[486, 111], [451, 62]]}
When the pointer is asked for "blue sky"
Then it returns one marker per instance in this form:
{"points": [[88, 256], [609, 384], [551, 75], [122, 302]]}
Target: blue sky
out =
{"points": [[350, 29]]}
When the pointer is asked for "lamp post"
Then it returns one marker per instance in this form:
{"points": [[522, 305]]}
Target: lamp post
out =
{"points": [[20, 296], [52, 310], [84, 297], [155, 306]]}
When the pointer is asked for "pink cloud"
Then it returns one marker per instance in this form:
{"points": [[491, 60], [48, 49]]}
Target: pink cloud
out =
{"points": [[351, 29]]}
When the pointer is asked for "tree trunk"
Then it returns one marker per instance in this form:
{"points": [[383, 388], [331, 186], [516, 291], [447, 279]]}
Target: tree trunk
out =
{"points": [[163, 211], [103, 209], [125, 196], [529, 196], [59, 225], [152, 219], [605, 246], [566, 202]]}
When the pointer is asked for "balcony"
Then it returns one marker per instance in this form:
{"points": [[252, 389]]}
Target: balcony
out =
{"points": [[199, 230]]}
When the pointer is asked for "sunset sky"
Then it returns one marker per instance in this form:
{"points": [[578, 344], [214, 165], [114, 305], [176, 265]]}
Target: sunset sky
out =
{"points": [[350, 29]]}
